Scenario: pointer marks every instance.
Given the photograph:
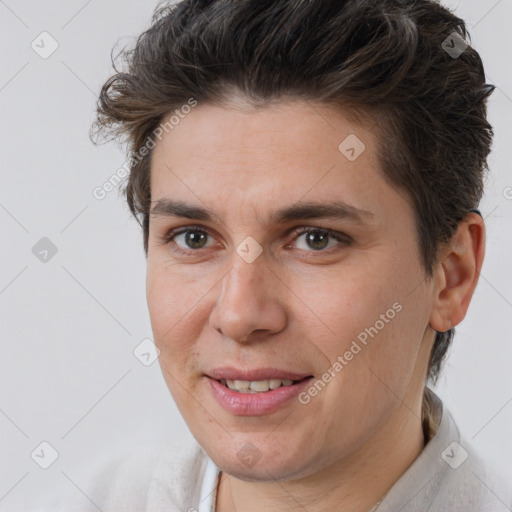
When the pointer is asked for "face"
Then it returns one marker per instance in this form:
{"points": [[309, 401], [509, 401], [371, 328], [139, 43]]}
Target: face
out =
{"points": [[279, 257]]}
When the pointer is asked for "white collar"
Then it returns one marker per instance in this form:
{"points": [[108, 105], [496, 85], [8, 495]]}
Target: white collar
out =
{"points": [[209, 487]]}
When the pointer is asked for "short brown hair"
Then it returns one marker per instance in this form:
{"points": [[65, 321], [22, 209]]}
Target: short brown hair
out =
{"points": [[385, 58]]}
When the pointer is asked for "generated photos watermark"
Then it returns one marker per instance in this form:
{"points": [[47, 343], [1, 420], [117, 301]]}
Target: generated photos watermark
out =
{"points": [[344, 359], [100, 192]]}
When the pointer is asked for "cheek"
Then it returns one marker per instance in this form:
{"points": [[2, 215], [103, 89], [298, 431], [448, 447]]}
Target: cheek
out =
{"points": [[173, 304], [344, 305], [374, 319], [174, 333], [169, 293]]}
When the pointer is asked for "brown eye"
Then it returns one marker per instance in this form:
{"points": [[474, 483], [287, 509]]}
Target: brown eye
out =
{"points": [[195, 239], [317, 239], [187, 240]]}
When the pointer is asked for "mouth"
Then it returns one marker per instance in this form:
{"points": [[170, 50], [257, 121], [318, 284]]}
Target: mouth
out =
{"points": [[256, 392], [260, 386]]}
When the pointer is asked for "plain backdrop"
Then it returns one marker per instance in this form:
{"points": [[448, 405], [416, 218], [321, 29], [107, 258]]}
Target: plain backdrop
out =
{"points": [[69, 325]]}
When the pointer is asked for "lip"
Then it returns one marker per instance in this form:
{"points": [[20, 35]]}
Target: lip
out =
{"points": [[230, 373], [255, 404]]}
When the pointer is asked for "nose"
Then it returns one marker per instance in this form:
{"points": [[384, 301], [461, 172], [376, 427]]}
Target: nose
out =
{"points": [[248, 305]]}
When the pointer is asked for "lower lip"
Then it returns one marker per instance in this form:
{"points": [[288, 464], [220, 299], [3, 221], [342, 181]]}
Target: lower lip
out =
{"points": [[255, 404]]}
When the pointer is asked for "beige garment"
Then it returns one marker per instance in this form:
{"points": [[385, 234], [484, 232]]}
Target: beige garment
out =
{"points": [[447, 476]]}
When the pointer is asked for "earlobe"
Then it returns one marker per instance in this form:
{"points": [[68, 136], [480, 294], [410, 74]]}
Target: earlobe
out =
{"points": [[456, 273]]}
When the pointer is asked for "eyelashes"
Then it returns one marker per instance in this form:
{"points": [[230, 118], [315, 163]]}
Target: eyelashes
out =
{"points": [[200, 234]]}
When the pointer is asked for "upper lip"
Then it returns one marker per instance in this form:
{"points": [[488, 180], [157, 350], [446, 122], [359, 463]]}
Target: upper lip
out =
{"points": [[230, 373]]}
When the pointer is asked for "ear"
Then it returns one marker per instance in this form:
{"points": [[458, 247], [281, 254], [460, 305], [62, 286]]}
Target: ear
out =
{"points": [[456, 273]]}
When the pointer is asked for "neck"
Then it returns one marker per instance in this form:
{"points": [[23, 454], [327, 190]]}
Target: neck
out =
{"points": [[356, 483]]}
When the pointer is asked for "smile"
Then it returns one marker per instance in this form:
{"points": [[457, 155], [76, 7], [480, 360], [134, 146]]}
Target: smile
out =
{"points": [[256, 386], [256, 397]]}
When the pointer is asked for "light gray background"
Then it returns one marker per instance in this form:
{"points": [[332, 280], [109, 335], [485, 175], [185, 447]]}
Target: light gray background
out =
{"points": [[69, 326]]}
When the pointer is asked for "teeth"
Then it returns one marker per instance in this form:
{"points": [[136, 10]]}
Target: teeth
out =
{"points": [[256, 386], [259, 385], [274, 383], [242, 385]]}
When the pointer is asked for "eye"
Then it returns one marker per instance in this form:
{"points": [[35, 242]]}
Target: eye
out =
{"points": [[191, 239], [318, 239], [188, 239]]}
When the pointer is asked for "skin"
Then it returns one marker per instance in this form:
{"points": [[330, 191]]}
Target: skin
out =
{"points": [[296, 307]]}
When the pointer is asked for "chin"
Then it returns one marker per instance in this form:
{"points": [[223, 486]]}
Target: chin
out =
{"points": [[263, 471], [268, 464]]}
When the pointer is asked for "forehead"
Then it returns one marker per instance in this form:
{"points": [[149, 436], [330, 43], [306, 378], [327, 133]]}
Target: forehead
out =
{"points": [[288, 131], [256, 159]]}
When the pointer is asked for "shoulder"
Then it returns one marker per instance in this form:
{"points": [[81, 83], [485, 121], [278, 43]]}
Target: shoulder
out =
{"points": [[150, 477], [449, 474], [474, 484], [470, 481]]}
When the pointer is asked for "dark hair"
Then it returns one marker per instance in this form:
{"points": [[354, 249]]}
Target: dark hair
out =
{"points": [[389, 60]]}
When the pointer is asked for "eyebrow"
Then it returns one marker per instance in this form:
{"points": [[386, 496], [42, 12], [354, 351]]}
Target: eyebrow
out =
{"points": [[298, 211]]}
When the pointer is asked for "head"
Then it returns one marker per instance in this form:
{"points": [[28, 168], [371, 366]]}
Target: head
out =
{"points": [[236, 112]]}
